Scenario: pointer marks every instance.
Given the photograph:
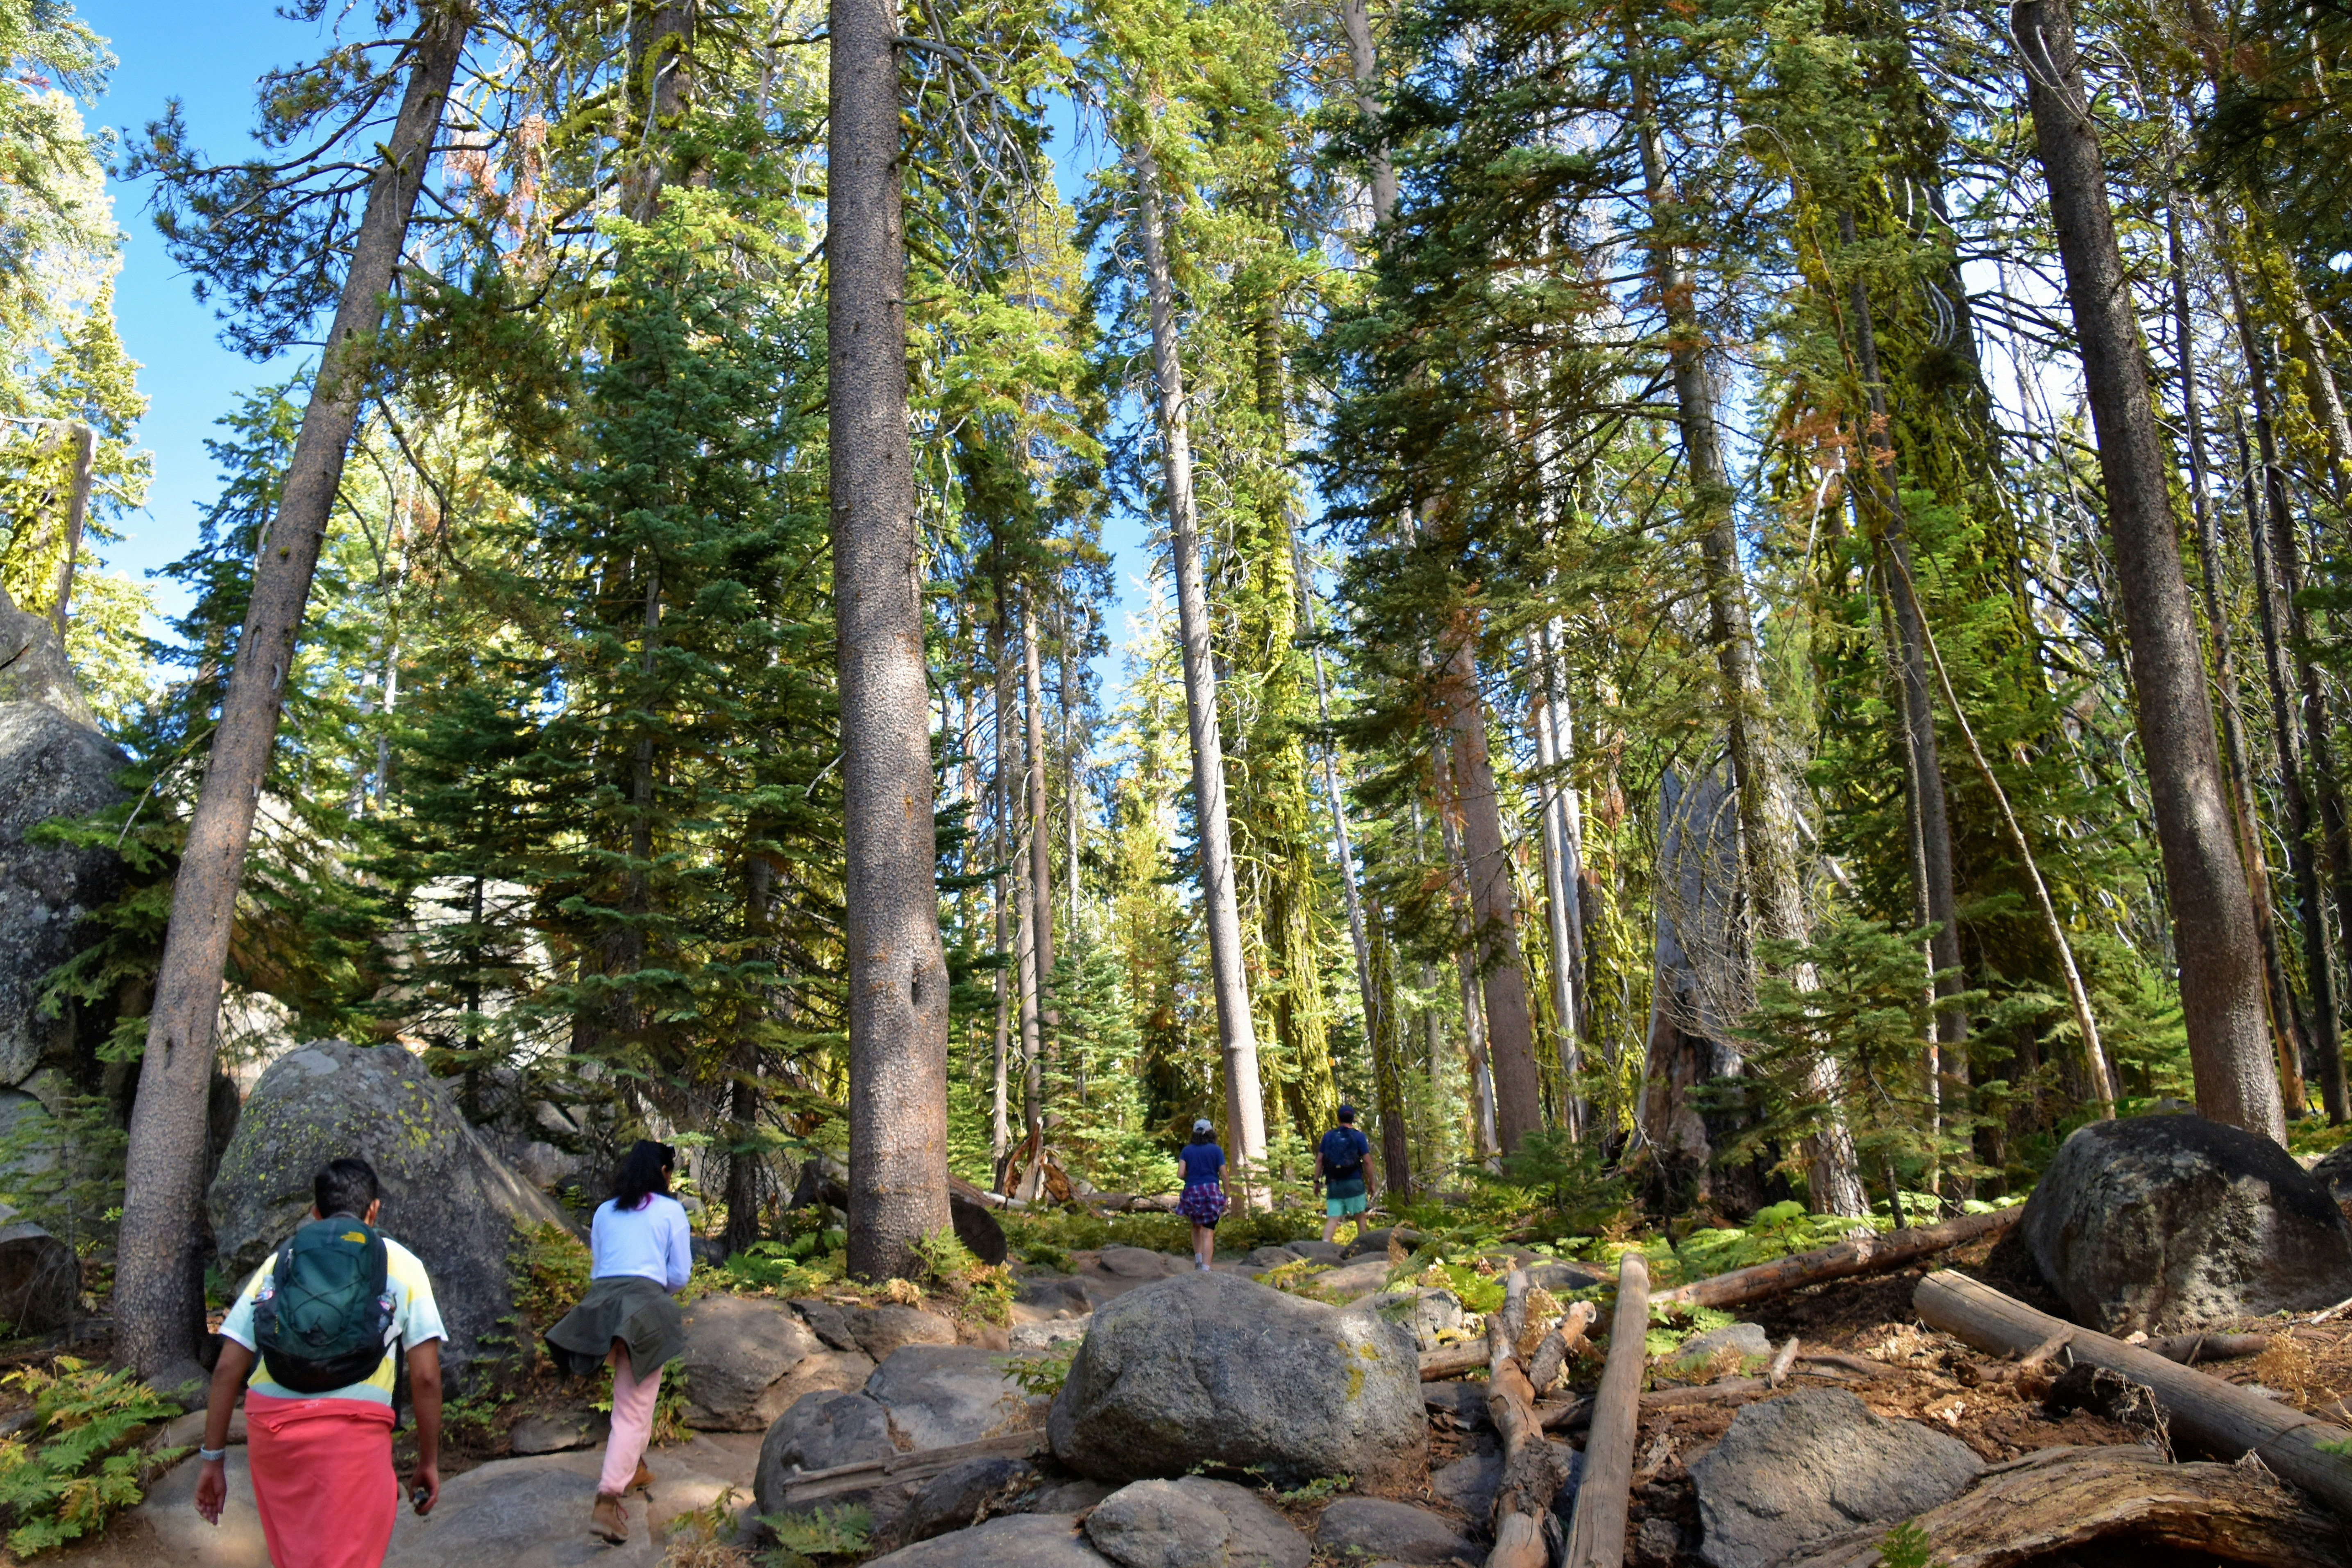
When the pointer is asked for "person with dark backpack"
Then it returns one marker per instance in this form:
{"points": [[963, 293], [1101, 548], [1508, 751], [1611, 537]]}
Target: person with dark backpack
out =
{"points": [[316, 1331], [1343, 1164]]}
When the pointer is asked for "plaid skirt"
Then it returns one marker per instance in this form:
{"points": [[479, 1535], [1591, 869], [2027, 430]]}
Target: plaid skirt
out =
{"points": [[1204, 1204]]}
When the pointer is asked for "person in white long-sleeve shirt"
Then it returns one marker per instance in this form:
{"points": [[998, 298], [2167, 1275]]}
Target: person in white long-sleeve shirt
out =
{"points": [[641, 1250], [652, 1241]]}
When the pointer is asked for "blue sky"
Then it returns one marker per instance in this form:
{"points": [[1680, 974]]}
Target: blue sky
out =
{"points": [[210, 52]]}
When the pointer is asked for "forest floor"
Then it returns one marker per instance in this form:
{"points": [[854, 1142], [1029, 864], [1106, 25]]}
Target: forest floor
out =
{"points": [[1897, 1368]]}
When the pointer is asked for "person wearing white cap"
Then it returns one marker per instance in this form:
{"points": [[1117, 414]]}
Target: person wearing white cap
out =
{"points": [[1204, 1200]]}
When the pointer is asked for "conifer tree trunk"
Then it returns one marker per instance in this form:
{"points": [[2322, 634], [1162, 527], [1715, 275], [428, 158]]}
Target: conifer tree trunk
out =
{"points": [[159, 1293], [1236, 1032], [1939, 888], [1000, 1134], [1378, 1024], [2285, 1029], [1776, 903], [1041, 837], [1494, 904], [1554, 748], [85, 447], [2294, 799], [897, 970], [2283, 572], [2213, 918]]}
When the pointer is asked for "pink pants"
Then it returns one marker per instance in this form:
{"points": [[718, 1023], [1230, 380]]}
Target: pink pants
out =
{"points": [[633, 1425]]}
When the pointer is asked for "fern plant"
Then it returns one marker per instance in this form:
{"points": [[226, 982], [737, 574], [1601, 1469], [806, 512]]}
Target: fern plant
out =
{"points": [[78, 1469]]}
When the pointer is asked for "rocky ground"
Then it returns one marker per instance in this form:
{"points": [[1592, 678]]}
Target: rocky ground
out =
{"points": [[1137, 1413], [1723, 1480]]}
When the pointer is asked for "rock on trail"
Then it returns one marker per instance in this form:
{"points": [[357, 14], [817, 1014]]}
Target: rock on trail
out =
{"points": [[1808, 1466], [1206, 1368], [2159, 1223], [446, 1196]]}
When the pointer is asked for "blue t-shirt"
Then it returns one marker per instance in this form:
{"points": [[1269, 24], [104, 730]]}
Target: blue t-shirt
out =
{"points": [[1201, 1163], [1345, 1147]]}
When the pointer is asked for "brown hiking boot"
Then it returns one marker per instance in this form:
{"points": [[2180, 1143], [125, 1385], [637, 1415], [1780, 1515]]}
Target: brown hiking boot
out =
{"points": [[610, 1520], [643, 1481]]}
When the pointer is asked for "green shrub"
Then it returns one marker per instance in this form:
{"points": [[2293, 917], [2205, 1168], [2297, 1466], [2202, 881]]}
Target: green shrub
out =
{"points": [[547, 1270], [1042, 1374], [76, 1470], [823, 1533]]}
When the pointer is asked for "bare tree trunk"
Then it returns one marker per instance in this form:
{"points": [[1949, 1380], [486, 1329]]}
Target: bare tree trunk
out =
{"points": [[1000, 1120], [897, 972], [1356, 20], [1494, 904], [1236, 1034], [2281, 575], [2213, 918], [159, 1293], [1559, 886], [2286, 1032], [85, 443], [1041, 840], [1466, 959]]}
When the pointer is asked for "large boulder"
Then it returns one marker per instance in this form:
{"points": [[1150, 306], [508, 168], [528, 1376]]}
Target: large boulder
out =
{"points": [[1358, 1528], [957, 1499], [820, 1431], [1018, 1540], [53, 763], [940, 1396], [880, 1330], [2166, 1222], [1805, 1467], [449, 1199], [40, 1278], [1210, 1369], [739, 1351], [1193, 1522]]}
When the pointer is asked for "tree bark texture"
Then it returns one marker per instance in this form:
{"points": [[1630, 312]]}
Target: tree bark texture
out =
{"points": [[1552, 745], [897, 971], [1493, 905], [1236, 1032], [2283, 572], [159, 1297], [1000, 1133], [1041, 834], [2286, 1033], [2213, 918], [85, 444]]}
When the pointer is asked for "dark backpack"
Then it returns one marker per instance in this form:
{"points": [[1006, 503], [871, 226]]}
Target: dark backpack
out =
{"points": [[325, 1316], [1356, 1147]]}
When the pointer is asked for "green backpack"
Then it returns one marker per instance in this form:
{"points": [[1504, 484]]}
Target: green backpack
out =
{"points": [[326, 1316]]}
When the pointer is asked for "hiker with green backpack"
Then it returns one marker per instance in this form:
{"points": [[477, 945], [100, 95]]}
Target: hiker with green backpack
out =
{"points": [[317, 1328]]}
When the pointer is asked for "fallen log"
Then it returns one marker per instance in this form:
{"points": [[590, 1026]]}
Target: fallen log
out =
{"points": [[1530, 1474], [1778, 1370], [813, 1487], [1570, 1414], [2201, 1411], [1452, 1361], [1596, 1537], [2190, 1349], [1565, 1340], [2040, 1508], [1858, 1255]]}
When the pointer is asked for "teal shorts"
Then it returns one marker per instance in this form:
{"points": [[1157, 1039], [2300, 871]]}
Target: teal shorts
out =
{"points": [[1355, 1202]]}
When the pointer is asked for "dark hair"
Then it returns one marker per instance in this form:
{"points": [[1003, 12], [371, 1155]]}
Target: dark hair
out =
{"points": [[644, 1172], [1347, 1113], [345, 1186], [1208, 1137]]}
